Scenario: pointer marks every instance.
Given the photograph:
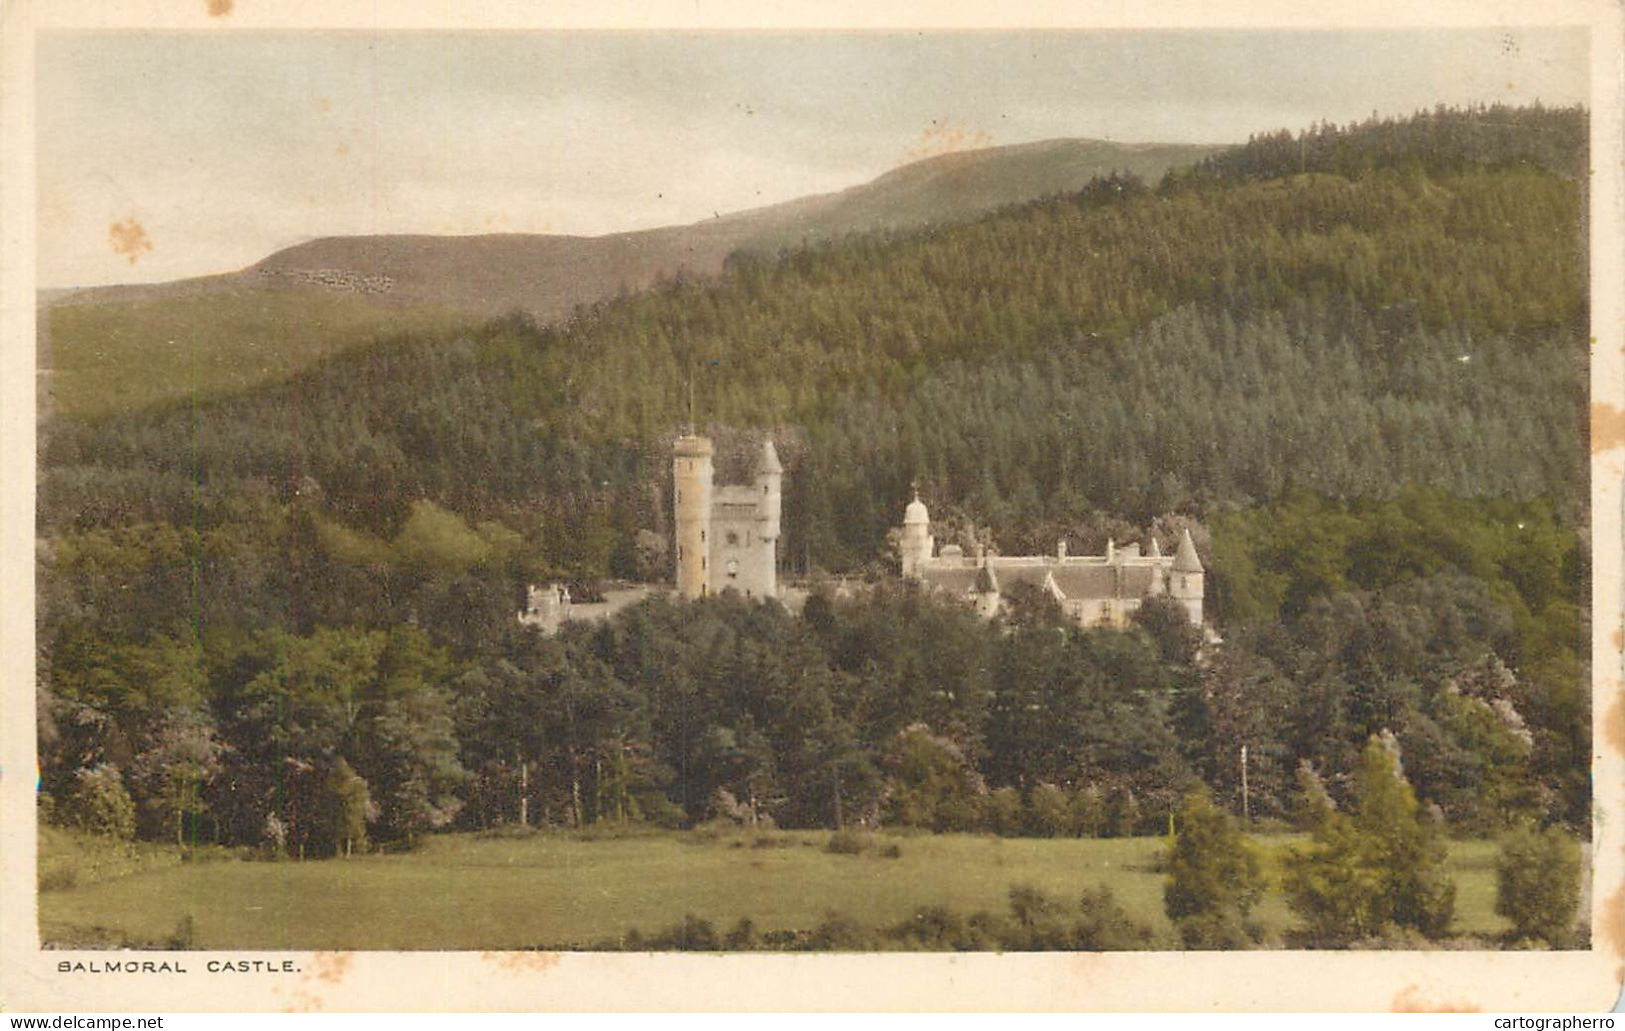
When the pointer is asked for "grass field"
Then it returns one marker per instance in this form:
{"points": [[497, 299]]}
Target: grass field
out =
{"points": [[558, 889]]}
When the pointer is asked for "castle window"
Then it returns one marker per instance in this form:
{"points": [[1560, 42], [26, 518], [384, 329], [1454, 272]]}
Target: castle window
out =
{"points": [[733, 569], [733, 539], [702, 536]]}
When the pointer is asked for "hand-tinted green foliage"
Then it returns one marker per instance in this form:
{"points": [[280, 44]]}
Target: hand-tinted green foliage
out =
{"points": [[1214, 876], [229, 589], [1316, 326], [1381, 867], [1428, 653], [1538, 883], [100, 804], [1442, 140]]}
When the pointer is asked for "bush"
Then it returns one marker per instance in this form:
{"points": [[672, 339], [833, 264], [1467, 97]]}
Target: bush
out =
{"points": [[846, 842], [1214, 877], [100, 804], [938, 927], [1040, 921], [692, 935], [1122, 813], [1214, 930], [1538, 884], [1106, 926], [1049, 814], [743, 935], [840, 933], [1001, 812], [1088, 812]]}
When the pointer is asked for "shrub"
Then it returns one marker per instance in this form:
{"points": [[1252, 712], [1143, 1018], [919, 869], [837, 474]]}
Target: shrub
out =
{"points": [[938, 927], [1088, 812], [1538, 884], [1040, 920], [1001, 812], [1106, 926], [1214, 877], [743, 935], [1048, 813], [100, 804], [692, 935], [1121, 813], [838, 932]]}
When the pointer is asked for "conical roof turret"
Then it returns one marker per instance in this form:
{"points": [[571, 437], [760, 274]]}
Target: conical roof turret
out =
{"points": [[1185, 560], [768, 460]]}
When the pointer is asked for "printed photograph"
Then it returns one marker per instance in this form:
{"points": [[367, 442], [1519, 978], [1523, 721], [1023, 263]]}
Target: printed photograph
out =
{"points": [[838, 492]]}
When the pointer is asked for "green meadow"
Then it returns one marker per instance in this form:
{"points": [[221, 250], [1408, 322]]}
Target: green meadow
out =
{"points": [[561, 889]]}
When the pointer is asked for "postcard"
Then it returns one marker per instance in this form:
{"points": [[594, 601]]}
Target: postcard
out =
{"points": [[689, 507]]}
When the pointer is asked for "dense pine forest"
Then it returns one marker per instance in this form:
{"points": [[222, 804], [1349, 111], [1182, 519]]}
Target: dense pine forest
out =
{"points": [[1353, 361]]}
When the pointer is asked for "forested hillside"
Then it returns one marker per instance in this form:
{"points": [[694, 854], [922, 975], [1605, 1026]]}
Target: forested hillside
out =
{"points": [[1354, 362]]}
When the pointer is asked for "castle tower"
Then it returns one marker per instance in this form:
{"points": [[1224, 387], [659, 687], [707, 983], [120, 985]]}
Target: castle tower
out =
{"points": [[916, 545], [691, 487], [1185, 578], [769, 478]]}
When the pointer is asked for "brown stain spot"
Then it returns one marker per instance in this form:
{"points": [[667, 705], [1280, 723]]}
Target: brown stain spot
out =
{"points": [[329, 967], [342, 150], [129, 238], [944, 138], [219, 8], [1607, 427], [1610, 930], [522, 962], [1619, 639], [324, 105], [1410, 1000], [1613, 725]]}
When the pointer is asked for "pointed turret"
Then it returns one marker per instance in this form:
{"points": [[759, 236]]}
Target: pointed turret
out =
{"points": [[1185, 560], [768, 460], [1185, 581], [1156, 548]]}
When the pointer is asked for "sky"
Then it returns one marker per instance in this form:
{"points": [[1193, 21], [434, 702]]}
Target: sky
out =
{"points": [[165, 156]]}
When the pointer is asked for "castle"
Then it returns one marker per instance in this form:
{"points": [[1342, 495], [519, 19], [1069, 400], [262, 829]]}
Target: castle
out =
{"points": [[1093, 590], [727, 539], [727, 536]]}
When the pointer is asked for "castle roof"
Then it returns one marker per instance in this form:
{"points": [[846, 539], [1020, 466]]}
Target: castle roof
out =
{"points": [[1076, 581], [915, 514], [768, 460], [1185, 560]]}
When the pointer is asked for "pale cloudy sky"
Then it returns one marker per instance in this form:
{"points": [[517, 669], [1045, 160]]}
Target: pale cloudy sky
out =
{"points": [[225, 148]]}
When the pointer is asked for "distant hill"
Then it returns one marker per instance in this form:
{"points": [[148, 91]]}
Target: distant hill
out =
{"points": [[549, 275], [116, 348]]}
